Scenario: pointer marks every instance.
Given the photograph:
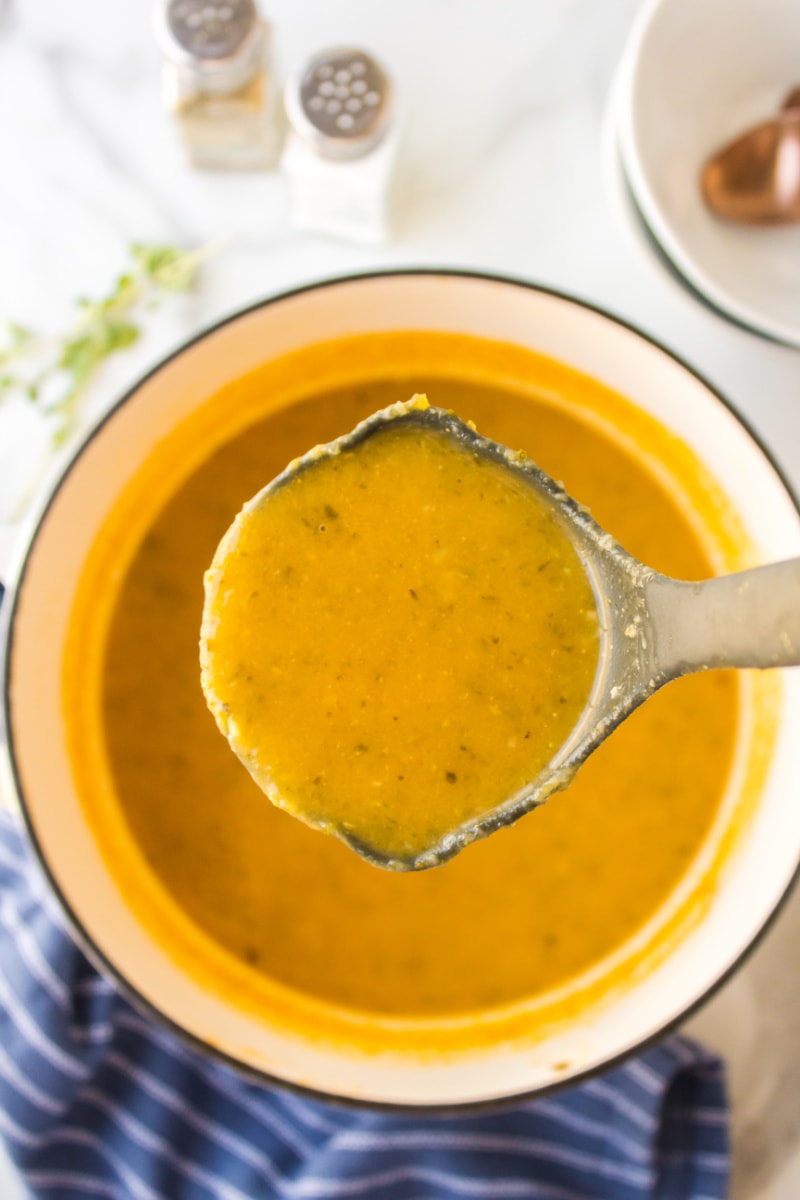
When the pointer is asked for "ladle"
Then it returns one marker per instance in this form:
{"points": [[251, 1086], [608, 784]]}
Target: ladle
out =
{"points": [[755, 179], [653, 628]]}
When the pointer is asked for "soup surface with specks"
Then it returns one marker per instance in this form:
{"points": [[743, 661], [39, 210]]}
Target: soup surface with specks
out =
{"points": [[398, 635], [512, 916]]}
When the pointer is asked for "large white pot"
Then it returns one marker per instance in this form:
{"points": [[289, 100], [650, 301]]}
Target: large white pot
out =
{"points": [[41, 582]]}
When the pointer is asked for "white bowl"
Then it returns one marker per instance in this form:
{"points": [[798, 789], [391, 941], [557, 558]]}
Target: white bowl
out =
{"points": [[693, 76], [44, 576], [623, 202]]}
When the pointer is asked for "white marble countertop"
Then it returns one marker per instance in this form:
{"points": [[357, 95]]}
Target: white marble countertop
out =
{"points": [[502, 169]]}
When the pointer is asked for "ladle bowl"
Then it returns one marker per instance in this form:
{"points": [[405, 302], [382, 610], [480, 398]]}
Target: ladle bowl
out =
{"points": [[653, 628]]}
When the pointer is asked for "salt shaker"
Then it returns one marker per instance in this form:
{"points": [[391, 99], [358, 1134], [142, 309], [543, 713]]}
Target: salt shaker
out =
{"points": [[216, 81], [341, 147]]}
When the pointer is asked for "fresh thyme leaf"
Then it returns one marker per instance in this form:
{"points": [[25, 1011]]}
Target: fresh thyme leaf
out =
{"points": [[81, 355], [18, 334], [164, 265], [63, 433], [54, 371], [122, 334]]}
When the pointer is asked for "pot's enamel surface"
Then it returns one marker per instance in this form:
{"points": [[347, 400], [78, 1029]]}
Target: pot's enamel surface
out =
{"points": [[37, 618]]}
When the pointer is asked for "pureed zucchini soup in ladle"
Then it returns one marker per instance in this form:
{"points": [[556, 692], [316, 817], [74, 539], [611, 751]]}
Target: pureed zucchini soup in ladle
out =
{"points": [[314, 662], [519, 916], [399, 634]]}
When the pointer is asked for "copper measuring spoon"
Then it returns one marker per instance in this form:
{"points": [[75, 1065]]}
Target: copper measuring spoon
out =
{"points": [[755, 179]]}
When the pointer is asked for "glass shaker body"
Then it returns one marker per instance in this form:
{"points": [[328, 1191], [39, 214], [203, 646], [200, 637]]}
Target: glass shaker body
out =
{"points": [[341, 147], [217, 82]]}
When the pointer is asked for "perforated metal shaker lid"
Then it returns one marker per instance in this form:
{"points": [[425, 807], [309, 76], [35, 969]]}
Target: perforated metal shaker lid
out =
{"points": [[340, 102], [221, 41]]}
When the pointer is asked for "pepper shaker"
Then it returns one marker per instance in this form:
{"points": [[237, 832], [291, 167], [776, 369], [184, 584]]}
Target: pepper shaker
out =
{"points": [[341, 146], [216, 81]]}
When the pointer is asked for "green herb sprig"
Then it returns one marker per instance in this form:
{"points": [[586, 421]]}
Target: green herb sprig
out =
{"points": [[53, 371]]}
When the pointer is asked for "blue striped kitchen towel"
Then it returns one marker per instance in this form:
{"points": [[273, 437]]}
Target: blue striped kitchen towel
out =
{"points": [[97, 1101]]}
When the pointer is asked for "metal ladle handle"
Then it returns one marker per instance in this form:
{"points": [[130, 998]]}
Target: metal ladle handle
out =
{"points": [[750, 619]]}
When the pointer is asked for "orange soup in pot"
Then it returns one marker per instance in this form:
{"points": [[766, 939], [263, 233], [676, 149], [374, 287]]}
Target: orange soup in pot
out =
{"points": [[512, 917]]}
